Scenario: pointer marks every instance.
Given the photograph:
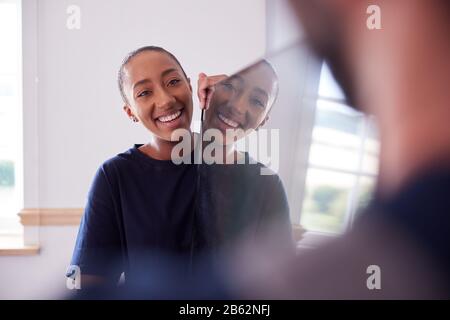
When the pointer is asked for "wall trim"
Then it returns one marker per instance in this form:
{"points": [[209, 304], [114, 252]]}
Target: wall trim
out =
{"points": [[72, 217], [51, 216], [20, 251]]}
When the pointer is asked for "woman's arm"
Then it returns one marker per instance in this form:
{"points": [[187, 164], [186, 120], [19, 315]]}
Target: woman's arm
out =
{"points": [[98, 247]]}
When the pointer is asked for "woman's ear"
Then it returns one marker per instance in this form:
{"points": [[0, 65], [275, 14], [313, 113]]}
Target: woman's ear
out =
{"points": [[190, 86], [129, 113], [127, 110]]}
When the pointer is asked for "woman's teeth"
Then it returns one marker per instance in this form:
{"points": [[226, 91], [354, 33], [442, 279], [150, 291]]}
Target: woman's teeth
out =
{"points": [[227, 121], [170, 117]]}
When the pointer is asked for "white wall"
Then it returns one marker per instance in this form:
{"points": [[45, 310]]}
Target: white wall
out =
{"points": [[81, 121], [73, 119], [39, 276]]}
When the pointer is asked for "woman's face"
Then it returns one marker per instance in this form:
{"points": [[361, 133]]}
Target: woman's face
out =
{"points": [[242, 101], [158, 93]]}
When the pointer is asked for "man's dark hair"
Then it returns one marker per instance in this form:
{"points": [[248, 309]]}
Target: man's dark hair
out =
{"points": [[134, 53]]}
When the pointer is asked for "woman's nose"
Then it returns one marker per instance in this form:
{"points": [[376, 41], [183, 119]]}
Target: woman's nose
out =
{"points": [[239, 105], [164, 98]]}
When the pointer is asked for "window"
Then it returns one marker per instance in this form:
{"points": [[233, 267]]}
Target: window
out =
{"points": [[10, 116], [342, 164]]}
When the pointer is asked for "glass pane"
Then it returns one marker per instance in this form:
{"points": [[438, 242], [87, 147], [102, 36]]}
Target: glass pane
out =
{"points": [[333, 157], [370, 163], [326, 200], [7, 89], [336, 137], [337, 119], [365, 192], [9, 37], [371, 150], [10, 57], [8, 198]]}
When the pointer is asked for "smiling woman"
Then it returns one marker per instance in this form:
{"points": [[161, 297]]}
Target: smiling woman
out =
{"points": [[156, 91], [141, 202], [139, 199]]}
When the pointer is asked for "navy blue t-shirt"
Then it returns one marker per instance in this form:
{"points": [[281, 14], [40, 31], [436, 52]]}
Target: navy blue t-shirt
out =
{"points": [[139, 204]]}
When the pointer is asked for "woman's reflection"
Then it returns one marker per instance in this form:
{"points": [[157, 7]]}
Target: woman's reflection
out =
{"points": [[241, 103], [236, 200]]}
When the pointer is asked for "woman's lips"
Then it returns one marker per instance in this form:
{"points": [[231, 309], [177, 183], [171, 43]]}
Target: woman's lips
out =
{"points": [[171, 120], [170, 117], [227, 121]]}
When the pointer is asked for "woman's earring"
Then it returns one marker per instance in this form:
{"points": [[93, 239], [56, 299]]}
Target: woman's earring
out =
{"points": [[134, 119]]}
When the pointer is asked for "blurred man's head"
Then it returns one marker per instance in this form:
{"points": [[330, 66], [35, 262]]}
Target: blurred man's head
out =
{"points": [[338, 32], [399, 73]]}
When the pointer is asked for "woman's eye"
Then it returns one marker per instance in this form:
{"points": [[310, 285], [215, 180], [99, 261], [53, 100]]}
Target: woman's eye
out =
{"points": [[144, 93], [228, 86], [257, 102], [174, 82]]}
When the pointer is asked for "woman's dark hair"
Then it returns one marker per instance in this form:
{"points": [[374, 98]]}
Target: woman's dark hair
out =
{"points": [[134, 53]]}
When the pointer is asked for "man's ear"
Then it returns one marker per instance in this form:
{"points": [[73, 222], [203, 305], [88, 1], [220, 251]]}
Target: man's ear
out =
{"points": [[263, 122]]}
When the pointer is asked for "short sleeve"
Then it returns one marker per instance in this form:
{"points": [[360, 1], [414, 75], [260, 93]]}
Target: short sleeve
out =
{"points": [[98, 246]]}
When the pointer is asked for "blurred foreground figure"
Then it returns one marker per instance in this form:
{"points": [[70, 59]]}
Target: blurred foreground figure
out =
{"points": [[400, 246]]}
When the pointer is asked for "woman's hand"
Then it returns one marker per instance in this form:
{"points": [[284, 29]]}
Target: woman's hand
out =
{"points": [[206, 88]]}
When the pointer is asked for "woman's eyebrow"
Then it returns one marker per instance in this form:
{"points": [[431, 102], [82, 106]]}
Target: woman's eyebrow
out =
{"points": [[166, 72], [261, 91], [141, 82]]}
